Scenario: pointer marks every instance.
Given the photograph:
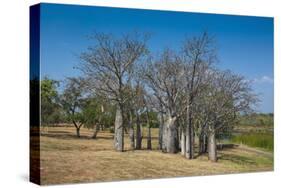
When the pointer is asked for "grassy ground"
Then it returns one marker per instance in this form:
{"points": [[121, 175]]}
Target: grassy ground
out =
{"points": [[68, 159]]}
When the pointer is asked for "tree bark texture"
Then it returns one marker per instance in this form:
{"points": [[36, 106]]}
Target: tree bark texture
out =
{"points": [[138, 133], [171, 135], [189, 138], [202, 140], [78, 131], [97, 129], [160, 133], [119, 131], [212, 146], [183, 141], [131, 132], [148, 132]]}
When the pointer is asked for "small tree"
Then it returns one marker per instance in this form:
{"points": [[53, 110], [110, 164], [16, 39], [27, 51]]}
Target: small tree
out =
{"points": [[93, 110], [50, 110], [72, 100]]}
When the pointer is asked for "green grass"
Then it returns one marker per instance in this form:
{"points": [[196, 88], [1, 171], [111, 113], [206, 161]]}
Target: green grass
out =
{"points": [[258, 140]]}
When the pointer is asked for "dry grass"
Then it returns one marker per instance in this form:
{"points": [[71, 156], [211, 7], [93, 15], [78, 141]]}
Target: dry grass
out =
{"points": [[67, 159]]}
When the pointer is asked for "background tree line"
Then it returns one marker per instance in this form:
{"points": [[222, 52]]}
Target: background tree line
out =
{"points": [[123, 86]]}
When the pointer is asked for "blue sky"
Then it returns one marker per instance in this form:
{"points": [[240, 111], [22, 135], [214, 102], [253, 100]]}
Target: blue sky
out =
{"points": [[245, 44]]}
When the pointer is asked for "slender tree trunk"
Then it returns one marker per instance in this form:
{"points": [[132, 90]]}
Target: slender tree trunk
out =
{"points": [[97, 129], [189, 137], [179, 136], [119, 130], [131, 132], [205, 143], [183, 141], [201, 144], [149, 145], [77, 126], [160, 133], [171, 135], [212, 147], [148, 132], [187, 143], [138, 133], [202, 140], [78, 131]]}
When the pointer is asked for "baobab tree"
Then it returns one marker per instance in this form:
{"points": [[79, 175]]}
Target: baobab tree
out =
{"points": [[108, 66], [164, 77], [227, 96], [198, 56]]}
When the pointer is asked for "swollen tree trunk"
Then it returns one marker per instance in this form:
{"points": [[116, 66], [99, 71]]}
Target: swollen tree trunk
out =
{"points": [[183, 141], [212, 147], [131, 132], [164, 135], [171, 135], [119, 130], [138, 133], [97, 129]]}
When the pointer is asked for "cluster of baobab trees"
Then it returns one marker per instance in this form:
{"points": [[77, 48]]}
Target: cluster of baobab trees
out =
{"points": [[184, 87]]}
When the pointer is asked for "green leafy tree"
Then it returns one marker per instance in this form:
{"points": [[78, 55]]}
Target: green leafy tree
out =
{"points": [[72, 101], [50, 110]]}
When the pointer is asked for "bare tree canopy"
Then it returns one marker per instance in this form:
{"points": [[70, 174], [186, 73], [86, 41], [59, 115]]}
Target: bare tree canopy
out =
{"points": [[192, 96], [109, 66]]}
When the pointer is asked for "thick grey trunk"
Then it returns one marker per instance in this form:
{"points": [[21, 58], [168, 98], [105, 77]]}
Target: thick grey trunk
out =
{"points": [[212, 146], [97, 129], [138, 133], [164, 136], [183, 142], [171, 135], [119, 131]]}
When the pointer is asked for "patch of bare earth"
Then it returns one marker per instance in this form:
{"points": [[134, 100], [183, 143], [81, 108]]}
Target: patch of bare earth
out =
{"points": [[68, 159]]}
